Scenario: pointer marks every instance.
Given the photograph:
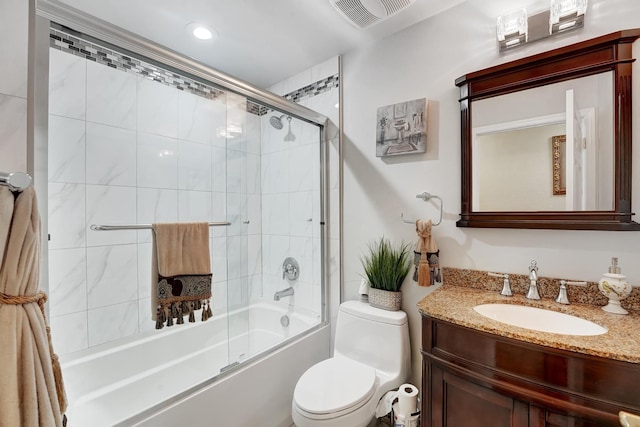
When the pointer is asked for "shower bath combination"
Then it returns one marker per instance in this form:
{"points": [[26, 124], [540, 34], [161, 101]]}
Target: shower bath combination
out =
{"points": [[276, 122], [249, 332]]}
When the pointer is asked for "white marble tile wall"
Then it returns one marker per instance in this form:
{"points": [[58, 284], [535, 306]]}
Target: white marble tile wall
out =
{"points": [[302, 191], [14, 31], [126, 150], [110, 155], [67, 149], [288, 216], [13, 133], [111, 96], [67, 85]]}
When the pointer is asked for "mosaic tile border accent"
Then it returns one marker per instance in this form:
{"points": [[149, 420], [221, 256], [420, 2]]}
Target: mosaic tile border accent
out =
{"points": [[314, 89], [73, 45], [67, 43]]}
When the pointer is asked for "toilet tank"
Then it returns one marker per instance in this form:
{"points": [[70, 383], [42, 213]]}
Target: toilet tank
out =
{"points": [[375, 337]]}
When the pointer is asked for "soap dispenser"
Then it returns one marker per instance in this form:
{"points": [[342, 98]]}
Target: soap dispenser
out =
{"points": [[614, 286]]}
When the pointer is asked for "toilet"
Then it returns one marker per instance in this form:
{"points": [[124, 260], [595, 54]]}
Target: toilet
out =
{"points": [[371, 356]]}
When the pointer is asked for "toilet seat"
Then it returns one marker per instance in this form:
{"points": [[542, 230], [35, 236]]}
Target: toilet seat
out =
{"points": [[334, 387]]}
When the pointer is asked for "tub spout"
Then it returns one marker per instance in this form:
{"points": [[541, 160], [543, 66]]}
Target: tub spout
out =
{"points": [[284, 293]]}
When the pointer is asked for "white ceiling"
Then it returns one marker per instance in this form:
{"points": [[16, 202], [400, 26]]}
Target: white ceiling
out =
{"points": [[259, 41]]}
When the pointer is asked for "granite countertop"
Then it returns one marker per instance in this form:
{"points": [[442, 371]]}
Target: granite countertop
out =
{"points": [[455, 304]]}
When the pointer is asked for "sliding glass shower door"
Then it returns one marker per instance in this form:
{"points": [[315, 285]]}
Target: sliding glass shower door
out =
{"points": [[132, 143]]}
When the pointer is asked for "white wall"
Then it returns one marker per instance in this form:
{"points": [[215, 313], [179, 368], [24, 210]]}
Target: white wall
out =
{"points": [[14, 32], [424, 61]]}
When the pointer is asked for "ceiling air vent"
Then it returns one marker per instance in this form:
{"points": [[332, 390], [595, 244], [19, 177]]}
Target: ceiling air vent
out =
{"points": [[364, 13]]}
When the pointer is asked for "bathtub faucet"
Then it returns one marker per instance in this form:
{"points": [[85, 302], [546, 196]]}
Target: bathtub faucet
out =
{"points": [[284, 293]]}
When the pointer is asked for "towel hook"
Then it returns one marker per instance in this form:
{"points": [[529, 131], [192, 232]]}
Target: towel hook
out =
{"points": [[426, 197]]}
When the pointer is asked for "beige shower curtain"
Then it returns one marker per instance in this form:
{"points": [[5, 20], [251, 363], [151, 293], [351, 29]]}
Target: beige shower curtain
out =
{"points": [[31, 392]]}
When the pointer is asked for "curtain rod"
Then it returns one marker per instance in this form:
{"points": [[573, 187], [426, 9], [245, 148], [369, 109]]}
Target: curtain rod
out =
{"points": [[95, 227]]}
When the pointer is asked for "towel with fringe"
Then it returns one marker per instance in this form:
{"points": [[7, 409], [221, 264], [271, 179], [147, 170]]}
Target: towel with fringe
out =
{"points": [[181, 272], [426, 256]]}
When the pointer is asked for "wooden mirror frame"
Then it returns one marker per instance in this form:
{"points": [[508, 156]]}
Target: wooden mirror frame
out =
{"points": [[612, 52]]}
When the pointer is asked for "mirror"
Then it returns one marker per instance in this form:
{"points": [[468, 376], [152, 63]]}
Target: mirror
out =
{"points": [[546, 140], [513, 137]]}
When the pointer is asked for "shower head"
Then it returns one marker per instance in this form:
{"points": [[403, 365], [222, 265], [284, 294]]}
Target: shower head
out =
{"points": [[276, 122]]}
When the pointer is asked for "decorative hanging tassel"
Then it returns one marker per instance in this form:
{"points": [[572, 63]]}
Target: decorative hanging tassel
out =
{"points": [[423, 229], [159, 318], [209, 312], [174, 310], [57, 376], [192, 316], [424, 275], [180, 318], [204, 313], [198, 305], [170, 319], [185, 307]]}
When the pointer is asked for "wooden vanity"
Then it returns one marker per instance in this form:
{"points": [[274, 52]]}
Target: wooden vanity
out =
{"points": [[480, 372]]}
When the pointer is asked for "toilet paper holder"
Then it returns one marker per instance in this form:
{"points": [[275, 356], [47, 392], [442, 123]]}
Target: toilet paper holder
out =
{"points": [[400, 407]]}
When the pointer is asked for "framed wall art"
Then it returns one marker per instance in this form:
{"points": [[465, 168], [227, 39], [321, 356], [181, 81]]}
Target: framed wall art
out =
{"points": [[402, 128]]}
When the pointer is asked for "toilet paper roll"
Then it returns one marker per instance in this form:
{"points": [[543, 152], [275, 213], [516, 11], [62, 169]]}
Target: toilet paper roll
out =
{"points": [[364, 288], [407, 400], [364, 291]]}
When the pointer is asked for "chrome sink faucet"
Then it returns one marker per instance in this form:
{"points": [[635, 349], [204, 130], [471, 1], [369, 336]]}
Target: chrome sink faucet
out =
{"points": [[506, 288], [533, 281], [563, 298]]}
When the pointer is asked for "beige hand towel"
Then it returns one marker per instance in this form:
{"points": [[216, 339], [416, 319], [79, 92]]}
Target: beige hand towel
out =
{"points": [[181, 272]]}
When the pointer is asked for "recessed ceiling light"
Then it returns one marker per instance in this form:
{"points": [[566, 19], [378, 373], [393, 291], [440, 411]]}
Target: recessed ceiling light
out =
{"points": [[200, 31]]}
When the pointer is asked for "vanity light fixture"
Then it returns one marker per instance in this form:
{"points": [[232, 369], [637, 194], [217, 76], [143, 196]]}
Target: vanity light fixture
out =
{"points": [[512, 29], [519, 28], [200, 31], [566, 15]]}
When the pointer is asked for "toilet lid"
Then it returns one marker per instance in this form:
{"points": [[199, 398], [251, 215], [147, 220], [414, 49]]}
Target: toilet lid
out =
{"points": [[334, 385]]}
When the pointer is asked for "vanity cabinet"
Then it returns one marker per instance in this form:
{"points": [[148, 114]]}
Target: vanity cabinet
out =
{"points": [[474, 378]]}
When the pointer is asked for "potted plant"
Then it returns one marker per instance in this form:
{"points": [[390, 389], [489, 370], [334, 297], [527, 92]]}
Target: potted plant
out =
{"points": [[385, 267]]}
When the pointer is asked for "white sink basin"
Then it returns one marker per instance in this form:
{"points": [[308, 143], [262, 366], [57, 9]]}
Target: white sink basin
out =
{"points": [[539, 319]]}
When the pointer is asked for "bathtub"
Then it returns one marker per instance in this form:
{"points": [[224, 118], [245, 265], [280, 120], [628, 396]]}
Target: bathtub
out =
{"points": [[149, 380]]}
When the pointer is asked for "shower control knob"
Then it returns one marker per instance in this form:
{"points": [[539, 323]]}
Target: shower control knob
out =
{"points": [[290, 269]]}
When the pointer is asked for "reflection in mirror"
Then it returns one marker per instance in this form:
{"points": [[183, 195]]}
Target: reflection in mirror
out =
{"points": [[515, 170], [513, 155], [558, 159]]}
